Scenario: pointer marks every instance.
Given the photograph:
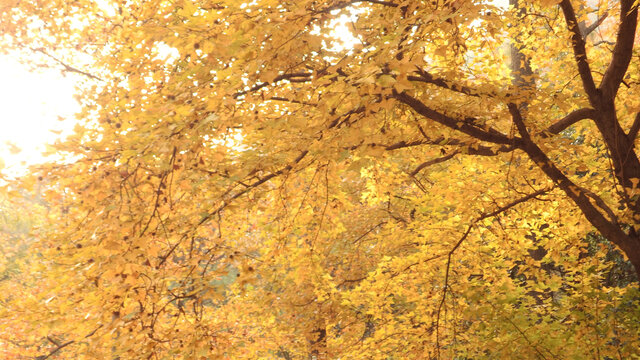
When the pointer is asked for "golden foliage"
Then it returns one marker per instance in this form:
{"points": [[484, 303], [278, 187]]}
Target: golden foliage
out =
{"points": [[246, 183]]}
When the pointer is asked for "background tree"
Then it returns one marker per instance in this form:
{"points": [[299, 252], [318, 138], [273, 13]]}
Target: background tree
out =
{"points": [[245, 185]]}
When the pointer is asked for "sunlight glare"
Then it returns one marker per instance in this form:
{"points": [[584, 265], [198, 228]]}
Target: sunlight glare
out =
{"points": [[37, 108]]}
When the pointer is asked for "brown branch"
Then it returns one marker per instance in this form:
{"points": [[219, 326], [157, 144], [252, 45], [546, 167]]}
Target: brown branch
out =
{"points": [[433, 162], [293, 101], [572, 118], [53, 341], [579, 51], [346, 4], [607, 228], [369, 231], [635, 127], [401, 144], [60, 346], [464, 147], [463, 125], [293, 77], [429, 78], [601, 204], [504, 208], [446, 283], [586, 30], [622, 51]]}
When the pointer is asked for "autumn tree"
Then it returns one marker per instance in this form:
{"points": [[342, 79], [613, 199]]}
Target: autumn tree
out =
{"points": [[438, 179]]}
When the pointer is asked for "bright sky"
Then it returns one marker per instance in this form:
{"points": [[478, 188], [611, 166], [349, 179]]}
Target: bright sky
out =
{"points": [[35, 107]]}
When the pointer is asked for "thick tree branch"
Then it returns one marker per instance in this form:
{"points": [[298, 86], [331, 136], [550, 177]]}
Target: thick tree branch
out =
{"points": [[623, 49], [579, 51], [469, 149], [579, 196], [463, 125], [572, 118], [635, 127]]}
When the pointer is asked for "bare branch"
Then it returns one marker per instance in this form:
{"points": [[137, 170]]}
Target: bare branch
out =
{"points": [[433, 162], [466, 149], [579, 51], [572, 118], [504, 208], [635, 127], [463, 125], [226, 202], [293, 101], [622, 51]]}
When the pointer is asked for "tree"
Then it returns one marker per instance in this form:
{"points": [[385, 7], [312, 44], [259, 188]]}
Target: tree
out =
{"points": [[244, 184]]}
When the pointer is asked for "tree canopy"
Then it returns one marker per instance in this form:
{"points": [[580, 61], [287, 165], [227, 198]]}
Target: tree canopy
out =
{"points": [[372, 179]]}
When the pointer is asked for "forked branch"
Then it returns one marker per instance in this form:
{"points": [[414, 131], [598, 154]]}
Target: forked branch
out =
{"points": [[581, 198]]}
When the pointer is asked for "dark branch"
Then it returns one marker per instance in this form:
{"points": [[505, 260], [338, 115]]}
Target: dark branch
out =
{"points": [[402, 144], [579, 51], [463, 125], [635, 127], [429, 78], [586, 30], [578, 195], [345, 4], [293, 101], [60, 346], [466, 149], [623, 50], [293, 77], [572, 118], [433, 162], [254, 185]]}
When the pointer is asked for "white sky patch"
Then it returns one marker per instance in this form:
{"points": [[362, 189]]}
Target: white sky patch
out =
{"points": [[36, 108], [342, 27], [166, 53]]}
